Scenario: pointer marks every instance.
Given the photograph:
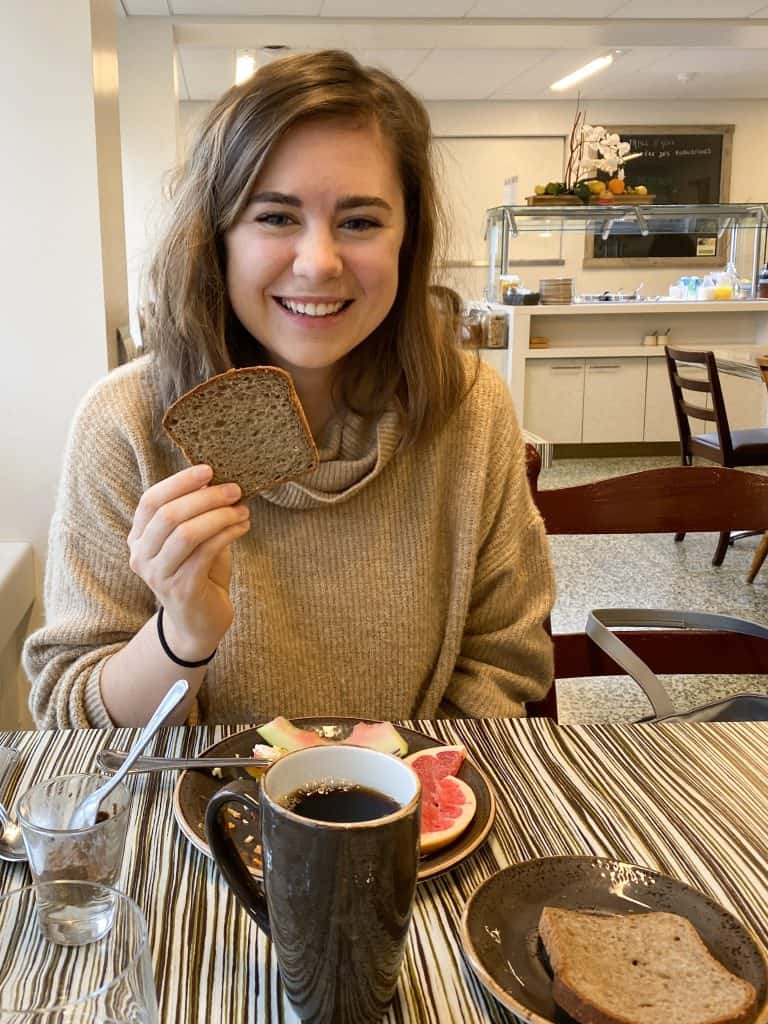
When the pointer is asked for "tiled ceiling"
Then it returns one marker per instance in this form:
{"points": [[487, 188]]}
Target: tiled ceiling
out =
{"points": [[488, 49]]}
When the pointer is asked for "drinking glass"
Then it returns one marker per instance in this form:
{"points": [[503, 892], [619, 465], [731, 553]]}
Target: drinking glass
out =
{"points": [[57, 852], [108, 981]]}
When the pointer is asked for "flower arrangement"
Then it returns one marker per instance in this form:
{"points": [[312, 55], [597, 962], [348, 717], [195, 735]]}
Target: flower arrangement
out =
{"points": [[593, 150]]}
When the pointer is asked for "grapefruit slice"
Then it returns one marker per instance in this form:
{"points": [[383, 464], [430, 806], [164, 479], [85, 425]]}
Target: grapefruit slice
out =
{"points": [[448, 804]]}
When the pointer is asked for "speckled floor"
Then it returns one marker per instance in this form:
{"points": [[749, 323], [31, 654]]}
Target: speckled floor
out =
{"points": [[652, 572]]}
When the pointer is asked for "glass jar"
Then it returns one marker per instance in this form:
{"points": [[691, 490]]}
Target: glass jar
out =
{"points": [[473, 330], [762, 283], [495, 330]]}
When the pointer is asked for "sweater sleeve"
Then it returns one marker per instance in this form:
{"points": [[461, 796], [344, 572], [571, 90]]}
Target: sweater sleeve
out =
{"points": [[506, 653], [94, 603]]}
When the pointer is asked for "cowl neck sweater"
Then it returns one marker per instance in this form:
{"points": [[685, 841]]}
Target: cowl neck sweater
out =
{"points": [[353, 451], [391, 582]]}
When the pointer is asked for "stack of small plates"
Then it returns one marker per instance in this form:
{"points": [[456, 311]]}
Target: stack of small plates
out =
{"points": [[556, 290]]}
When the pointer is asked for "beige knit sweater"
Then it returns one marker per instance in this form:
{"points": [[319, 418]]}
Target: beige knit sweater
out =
{"points": [[388, 583]]}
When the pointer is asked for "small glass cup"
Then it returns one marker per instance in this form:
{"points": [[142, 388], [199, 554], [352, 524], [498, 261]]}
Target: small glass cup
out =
{"points": [[105, 982], [59, 853]]}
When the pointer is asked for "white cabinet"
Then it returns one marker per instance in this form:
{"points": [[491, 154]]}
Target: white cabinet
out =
{"points": [[614, 400], [660, 421], [554, 399]]}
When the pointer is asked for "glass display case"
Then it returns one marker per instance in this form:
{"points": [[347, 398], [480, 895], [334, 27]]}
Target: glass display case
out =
{"points": [[743, 227]]}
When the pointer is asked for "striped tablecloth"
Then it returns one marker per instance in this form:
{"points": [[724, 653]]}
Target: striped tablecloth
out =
{"points": [[690, 800]]}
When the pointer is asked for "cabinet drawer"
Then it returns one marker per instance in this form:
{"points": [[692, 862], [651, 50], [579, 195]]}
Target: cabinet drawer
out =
{"points": [[554, 399], [614, 400]]}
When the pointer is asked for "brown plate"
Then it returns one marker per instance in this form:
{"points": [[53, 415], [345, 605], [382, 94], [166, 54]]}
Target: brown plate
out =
{"points": [[195, 788], [499, 927]]}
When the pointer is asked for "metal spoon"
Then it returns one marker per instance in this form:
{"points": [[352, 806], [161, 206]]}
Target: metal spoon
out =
{"points": [[84, 816], [11, 840], [112, 760]]}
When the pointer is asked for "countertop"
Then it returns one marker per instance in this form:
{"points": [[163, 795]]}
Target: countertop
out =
{"points": [[663, 308]]}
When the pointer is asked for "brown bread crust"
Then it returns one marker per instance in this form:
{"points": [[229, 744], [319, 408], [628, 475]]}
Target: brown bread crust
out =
{"points": [[256, 407], [579, 944]]}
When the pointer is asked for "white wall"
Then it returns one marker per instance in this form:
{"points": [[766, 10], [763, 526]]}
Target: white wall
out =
{"points": [[149, 125], [60, 289], [749, 172]]}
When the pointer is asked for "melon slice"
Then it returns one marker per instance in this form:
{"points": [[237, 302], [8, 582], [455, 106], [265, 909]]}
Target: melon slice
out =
{"points": [[448, 804], [375, 735], [282, 733], [381, 736]]}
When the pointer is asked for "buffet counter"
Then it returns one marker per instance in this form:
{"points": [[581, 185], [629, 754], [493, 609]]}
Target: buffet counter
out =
{"points": [[598, 381]]}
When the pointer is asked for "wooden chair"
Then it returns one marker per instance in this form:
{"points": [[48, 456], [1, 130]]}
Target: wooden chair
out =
{"points": [[699, 499], [762, 550], [725, 446]]}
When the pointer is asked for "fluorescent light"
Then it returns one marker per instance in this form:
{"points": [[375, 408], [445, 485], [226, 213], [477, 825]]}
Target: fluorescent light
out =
{"points": [[244, 67], [581, 73]]}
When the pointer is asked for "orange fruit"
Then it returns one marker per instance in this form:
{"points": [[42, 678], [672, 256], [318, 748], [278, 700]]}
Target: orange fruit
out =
{"points": [[616, 185]]}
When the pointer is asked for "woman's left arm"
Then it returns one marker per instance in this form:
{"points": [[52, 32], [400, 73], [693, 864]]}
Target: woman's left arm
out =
{"points": [[506, 652]]}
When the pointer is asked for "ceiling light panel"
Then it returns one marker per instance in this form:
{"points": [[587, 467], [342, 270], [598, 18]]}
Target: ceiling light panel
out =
{"points": [[541, 9], [247, 8], [395, 8], [537, 80]]}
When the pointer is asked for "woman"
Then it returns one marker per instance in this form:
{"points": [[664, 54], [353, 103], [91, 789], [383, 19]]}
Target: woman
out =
{"points": [[408, 575]]}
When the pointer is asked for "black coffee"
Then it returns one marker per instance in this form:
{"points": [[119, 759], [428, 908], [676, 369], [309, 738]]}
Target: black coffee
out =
{"points": [[340, 803]]}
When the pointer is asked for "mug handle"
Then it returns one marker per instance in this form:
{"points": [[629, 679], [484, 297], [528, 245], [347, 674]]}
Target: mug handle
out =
{"points": [[224, 851]]}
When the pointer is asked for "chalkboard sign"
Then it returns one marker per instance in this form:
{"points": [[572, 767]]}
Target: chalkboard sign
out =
{"points": [[678, 165]]}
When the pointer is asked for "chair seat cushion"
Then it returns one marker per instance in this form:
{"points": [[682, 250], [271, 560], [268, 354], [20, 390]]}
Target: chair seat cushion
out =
{"points": [[750, 447]]}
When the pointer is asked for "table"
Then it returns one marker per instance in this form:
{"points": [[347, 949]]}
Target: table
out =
{"points": [[690, 800], [739, 364]]}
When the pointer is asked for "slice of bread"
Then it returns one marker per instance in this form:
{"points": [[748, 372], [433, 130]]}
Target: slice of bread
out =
{"points": [[247, 425], [639, 969]]}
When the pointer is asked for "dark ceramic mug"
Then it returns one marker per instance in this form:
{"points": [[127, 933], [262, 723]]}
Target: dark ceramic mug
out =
{"points": [[337, 896]]}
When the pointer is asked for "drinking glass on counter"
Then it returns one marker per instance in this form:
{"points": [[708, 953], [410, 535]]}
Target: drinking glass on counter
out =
{"points": [[57, 852], [104, 982]]}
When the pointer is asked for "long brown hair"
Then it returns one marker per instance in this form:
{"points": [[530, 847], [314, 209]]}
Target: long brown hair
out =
{"points": [[190, 325]]}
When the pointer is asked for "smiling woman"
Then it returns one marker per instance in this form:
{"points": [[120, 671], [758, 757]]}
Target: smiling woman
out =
{"points": [[407, 575], [312, 261]]}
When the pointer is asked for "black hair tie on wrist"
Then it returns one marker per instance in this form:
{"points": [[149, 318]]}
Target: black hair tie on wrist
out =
{"points": [[169, 652]]}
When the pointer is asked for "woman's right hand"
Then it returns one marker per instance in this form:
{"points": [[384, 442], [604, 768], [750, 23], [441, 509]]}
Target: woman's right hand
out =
{"points": [[180, 544]]}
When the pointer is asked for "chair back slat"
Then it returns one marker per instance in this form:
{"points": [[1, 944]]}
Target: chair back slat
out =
{"points": [[670, 652], [692, 383], [673, 499], [698, 411]]}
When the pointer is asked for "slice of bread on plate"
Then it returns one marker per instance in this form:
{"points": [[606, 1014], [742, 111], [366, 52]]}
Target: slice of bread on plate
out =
{"points": [[247, 425], [639, 969]]}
